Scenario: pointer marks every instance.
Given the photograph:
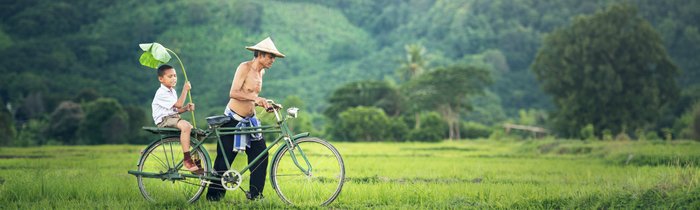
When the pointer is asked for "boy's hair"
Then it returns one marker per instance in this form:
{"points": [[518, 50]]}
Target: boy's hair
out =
{"points": [[162, 68]]}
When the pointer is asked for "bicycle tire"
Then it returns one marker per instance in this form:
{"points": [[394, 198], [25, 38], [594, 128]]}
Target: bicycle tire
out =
{"points": [[164, 190], [322, 186]]}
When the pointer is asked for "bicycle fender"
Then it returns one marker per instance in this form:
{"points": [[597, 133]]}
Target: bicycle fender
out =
{"points": [[301, 135]]}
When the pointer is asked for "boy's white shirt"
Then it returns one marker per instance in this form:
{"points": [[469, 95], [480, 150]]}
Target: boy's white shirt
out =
{"points": [[163, 103]]}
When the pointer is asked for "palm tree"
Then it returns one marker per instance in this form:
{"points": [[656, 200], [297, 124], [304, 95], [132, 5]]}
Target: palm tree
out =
{"points": [[416, 63]]}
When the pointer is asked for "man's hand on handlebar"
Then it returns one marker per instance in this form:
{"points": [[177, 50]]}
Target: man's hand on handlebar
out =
{"points": [[269, 105], [262, 102], [272, 106]]}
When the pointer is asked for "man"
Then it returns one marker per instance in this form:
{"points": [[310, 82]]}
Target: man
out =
{"points": [[243, 98]]}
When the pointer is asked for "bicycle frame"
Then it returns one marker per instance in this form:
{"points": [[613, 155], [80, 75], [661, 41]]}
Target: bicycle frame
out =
{"points": [[281, 128]]}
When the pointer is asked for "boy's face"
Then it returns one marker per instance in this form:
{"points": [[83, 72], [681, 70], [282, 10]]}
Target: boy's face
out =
{"points": [[169, 78]]}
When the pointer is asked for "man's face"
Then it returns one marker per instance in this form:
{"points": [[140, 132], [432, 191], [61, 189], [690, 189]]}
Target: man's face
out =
{"points": [[169, 78], [267, 60]]}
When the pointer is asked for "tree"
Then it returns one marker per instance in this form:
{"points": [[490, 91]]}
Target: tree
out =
{"points": [[447, 90], [138, 117], [105, 122], [609, 69], [362, 124], [65, 121], [364, 93], [416, 63]]}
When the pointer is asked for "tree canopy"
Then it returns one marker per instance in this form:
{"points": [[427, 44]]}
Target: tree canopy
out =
{"points": [[609, 69]]}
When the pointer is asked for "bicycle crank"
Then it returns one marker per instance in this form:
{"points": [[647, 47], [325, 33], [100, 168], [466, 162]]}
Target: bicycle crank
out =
{"points": [[231, 180]]}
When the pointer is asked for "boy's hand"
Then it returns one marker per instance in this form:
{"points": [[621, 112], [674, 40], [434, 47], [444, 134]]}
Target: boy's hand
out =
{"points": [[190, 107], [187, 86]]}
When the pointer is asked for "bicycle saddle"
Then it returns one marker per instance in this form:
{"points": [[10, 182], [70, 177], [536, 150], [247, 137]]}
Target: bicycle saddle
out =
{"points": [[218, 120]]}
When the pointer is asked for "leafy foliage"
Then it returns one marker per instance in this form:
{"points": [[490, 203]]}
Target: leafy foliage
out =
{"points": [[65, 121], [363, 124], [433, 128], [447, 89], [364, 93], [105, 122], [610, 70]]}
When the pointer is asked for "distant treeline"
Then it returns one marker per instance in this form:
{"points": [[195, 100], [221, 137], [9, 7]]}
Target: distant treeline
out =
{"points": [[62, 61]]}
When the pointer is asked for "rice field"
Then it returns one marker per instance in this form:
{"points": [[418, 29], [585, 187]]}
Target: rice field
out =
{"points": [[541, 174]]}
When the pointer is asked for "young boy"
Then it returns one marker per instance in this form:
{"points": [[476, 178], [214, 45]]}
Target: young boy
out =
{"points": [[167, 108]]}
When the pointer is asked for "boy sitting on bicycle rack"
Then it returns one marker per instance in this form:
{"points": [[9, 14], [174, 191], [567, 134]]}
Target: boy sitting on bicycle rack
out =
{"points": [[167, 108]]}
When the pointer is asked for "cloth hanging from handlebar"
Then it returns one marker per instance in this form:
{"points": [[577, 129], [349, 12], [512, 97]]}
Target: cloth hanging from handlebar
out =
{"points": [[242, 141]]}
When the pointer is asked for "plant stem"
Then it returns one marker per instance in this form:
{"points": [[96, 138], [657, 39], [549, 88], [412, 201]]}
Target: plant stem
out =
{"points": [[189, 93]]}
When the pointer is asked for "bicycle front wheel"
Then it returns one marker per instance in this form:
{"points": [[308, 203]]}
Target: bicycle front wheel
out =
{"points": [[311, 174], [161, 158]]}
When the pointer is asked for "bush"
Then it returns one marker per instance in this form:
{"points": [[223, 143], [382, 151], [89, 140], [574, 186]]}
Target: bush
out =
{"points": [[138, 118], [474, 130], [105, 122], [424, 134], [688, 125], [651, 135], [433, 128], [361, 124], [588, 132], [643, 135], [65, 121], [398, 130], [31, 133], [607, 135]]}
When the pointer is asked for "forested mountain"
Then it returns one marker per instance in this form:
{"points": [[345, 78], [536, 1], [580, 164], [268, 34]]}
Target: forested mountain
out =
{"points": [[57, 50]]}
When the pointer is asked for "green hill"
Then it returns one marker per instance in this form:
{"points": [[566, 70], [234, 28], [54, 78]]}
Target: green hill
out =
{"points": [[51, 51]]}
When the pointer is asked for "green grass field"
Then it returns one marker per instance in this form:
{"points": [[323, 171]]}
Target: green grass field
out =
{"points": [[541, 174]]}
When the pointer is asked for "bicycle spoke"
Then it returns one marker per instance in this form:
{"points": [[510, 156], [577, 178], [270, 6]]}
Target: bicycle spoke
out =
{"points": [[165, 166]]}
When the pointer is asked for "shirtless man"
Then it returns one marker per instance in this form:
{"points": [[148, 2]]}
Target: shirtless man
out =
{"points": [[243, 97]]}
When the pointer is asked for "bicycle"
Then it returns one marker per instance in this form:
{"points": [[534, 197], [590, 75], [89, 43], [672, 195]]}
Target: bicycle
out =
{"points": [[304, 170]]}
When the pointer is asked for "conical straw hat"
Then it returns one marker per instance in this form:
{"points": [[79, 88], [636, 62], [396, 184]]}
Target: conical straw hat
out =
{"points": [[267, 46]]}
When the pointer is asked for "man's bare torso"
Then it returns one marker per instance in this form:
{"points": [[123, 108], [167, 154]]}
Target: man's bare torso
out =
{"points": [[252, 84]]}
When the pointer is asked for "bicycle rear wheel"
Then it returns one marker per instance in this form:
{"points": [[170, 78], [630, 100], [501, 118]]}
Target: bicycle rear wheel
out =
{"points": [[162, 158], [317, 183]]}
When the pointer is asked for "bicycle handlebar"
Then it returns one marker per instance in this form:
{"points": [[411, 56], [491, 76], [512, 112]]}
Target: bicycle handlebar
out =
{"points": [[273, 105]]}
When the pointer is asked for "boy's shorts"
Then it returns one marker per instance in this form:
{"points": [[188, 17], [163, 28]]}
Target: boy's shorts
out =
{"points": [[170, 121]]}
